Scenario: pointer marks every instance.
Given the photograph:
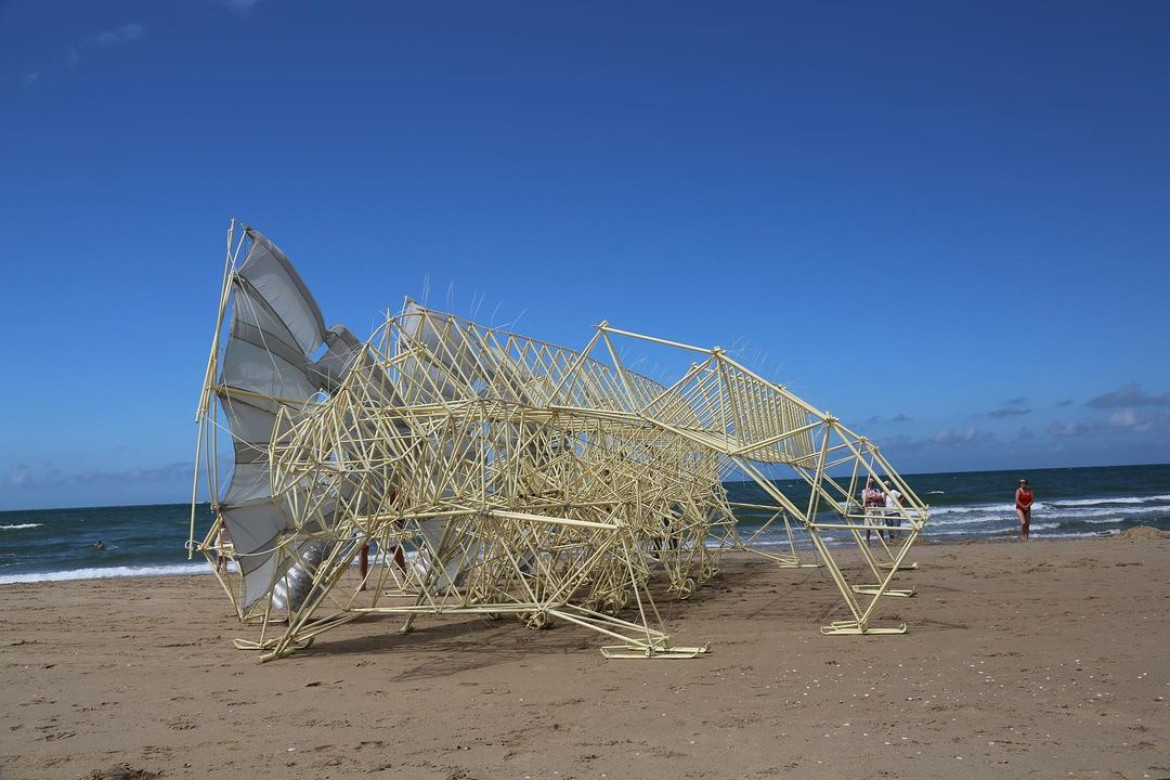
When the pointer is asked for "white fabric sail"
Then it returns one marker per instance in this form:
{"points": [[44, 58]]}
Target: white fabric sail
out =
{"points": [[275, 329]]}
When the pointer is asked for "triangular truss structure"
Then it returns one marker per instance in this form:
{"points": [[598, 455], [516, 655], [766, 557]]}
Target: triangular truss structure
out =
{"points": [[496, 474]]}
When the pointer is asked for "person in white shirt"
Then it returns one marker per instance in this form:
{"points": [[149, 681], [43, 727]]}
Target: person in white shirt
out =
{"points": [[893, 509]]}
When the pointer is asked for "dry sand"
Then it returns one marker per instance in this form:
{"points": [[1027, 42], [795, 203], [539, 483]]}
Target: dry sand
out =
{"points": [[1046, 659]]}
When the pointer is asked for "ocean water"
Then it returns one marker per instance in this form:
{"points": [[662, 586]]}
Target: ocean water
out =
{"points": [[57, 544], [1070, 503]]}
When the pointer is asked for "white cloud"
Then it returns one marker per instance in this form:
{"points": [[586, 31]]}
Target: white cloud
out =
{"points": [[22, 476], [1138, 421], [1068, 429], [117, 36], [241, 6], [99, 42], [1011, 408], [17, 477], [951, 437], [898, 418], [169, 472], [1129, 395], [1124, 421], [1128, 419]]}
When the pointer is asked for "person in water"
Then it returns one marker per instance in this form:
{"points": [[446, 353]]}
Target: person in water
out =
{"points": [[99, 545], [1024, 507]]}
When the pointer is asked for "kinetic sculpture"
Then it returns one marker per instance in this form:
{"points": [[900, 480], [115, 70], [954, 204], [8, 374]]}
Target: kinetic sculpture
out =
{"points": [[495, 474]]}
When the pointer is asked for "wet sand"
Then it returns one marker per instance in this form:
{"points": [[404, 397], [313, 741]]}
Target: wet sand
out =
{"points": [[1046, 659]]}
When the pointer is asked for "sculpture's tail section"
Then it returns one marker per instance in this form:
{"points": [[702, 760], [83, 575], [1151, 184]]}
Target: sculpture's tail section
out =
{"points": [[267, 365]]}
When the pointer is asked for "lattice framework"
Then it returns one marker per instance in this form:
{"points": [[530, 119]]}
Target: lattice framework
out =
{"points": [[497, 474]]}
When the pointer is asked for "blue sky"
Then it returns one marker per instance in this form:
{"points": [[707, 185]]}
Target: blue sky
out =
{"points": [[946, 223]]}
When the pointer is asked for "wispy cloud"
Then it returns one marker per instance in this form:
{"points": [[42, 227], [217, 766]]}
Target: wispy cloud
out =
{"points": [[948, 438], [1128, 395], [23, 476], [1013, 407], [1067, 429], [241, 6], [17, 477], [98, 42], [953, 437], [167, 473], [898, 418], [1008, 412], [1138, 421], [116, 36], [1126, 420], [903, 444]]}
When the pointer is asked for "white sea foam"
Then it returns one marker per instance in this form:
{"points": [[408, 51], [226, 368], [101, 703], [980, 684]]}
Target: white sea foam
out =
{"points": [[987, 518], [1106, 521], [20, 526], [1081, 534], [966, 509], [1104, 501], [930, 532], [1068, 511], [115, 571], [1116, 513]]}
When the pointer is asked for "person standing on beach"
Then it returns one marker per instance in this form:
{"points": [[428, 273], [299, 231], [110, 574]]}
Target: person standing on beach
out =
{"points": [[893, 509], [224, 550], [871, 499], [1024, 507]]}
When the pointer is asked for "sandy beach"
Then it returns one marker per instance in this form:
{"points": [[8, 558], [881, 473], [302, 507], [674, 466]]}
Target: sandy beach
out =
{"points": [[1046, 659]]}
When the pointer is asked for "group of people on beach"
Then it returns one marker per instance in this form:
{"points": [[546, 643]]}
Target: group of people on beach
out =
{"points": [[883, 502], [883, 509]]}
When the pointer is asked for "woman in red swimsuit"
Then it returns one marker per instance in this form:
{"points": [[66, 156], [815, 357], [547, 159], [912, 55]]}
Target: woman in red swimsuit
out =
{"points": [[1024, 506]]}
